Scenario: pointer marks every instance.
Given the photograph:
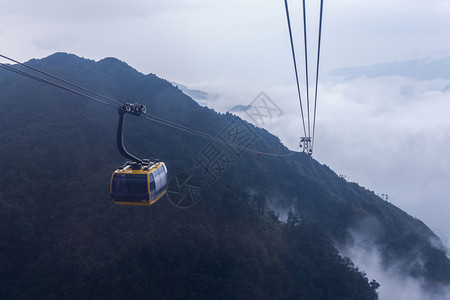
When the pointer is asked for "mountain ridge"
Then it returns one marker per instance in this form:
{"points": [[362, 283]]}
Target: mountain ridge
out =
{"points": [[316, 195], [423, 69]]}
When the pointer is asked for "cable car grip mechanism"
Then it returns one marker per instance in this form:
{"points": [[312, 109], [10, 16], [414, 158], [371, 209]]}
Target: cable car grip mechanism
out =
{"points": [[136, 110]]}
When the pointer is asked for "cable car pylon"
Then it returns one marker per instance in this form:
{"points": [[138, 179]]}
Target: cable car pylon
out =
{"points": [[307, 141], [306, 145]]}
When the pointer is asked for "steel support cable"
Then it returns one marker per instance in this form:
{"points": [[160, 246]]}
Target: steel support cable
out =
{"points": [[295, 65], [209, 137], [317, 74], [46, 81], [49, 82], [306, 67], [147, 116], [62, 80]]}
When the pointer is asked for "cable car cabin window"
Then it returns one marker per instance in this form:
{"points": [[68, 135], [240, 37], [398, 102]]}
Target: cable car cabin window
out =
{"points": [[161, 181], [157, 179], [130, 188], [155, 174], [158, 182], [163, 177], [152, 187]]}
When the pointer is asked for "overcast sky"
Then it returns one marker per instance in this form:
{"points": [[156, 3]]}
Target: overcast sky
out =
{"points": [[391, 135], [197, 40]]}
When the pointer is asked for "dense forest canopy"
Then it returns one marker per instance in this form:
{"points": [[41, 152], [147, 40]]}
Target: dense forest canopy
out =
{"points": [[61, 235]]}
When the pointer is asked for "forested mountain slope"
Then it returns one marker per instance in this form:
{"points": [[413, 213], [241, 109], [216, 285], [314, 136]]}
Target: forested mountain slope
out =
{"points": [[61, 235]]}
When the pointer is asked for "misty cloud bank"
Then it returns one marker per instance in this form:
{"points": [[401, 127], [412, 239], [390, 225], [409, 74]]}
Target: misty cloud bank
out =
{"points": [[424, 69], [390, 134], [393, 282]]}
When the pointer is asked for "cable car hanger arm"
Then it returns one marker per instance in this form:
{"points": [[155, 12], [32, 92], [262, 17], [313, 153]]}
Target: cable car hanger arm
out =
{"points": [[136, 110]]}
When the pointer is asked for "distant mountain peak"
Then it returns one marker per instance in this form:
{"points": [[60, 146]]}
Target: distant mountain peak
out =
{"points": [[194, 94], [426, 68], [114, 61], [60, 58], [240, 108]]}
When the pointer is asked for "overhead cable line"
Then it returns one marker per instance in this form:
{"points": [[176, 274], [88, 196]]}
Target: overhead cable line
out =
{"points": [[307, 141], [306, 66], [317, 73], [49, 82], [62, 80], [146, 115], [295, 65], [210, 137]]}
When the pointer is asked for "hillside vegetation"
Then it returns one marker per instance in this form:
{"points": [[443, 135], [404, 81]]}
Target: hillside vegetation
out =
{"points": [[61, 235]]}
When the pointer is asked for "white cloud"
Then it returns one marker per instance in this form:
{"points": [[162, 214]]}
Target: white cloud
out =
{"points": [[394, 285], [389, 134]]}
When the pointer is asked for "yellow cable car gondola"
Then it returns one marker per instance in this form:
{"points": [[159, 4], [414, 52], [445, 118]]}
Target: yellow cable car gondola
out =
{"points": [[139, 181], [139, 184]]}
